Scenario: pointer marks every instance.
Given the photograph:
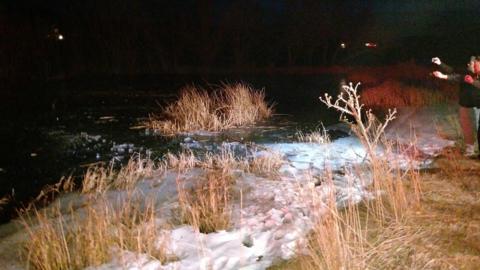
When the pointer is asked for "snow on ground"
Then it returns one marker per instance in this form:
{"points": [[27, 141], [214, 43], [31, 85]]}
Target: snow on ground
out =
{"points": [[276, 214]]}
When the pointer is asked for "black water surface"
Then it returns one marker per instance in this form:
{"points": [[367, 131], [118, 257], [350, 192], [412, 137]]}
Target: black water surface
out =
{"points": [[51, 129]]}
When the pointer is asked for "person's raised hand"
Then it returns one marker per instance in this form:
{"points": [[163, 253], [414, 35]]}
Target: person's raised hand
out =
{"points": [[436, 61], [439, 75], [468, 79]]}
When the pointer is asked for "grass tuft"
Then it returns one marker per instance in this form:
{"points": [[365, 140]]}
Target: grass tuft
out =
{"points": [[231, 106], [208, 205]]}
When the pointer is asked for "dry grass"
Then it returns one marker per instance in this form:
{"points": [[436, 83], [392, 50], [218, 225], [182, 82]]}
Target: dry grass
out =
{"points": [[266, 164], [231, 106], [101, 228], [319, 136], [208, 205], [418, 221], [373, 234], [92, 236], [224, 161], [181, 162], [99, 178], [390, 94]]}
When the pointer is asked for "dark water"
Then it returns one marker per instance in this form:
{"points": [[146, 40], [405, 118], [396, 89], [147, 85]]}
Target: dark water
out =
{"points": [[52, 129]]}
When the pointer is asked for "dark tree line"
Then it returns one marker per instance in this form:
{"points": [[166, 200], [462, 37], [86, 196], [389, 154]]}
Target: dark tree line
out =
{"points": [[155, 36], [129, 37]]}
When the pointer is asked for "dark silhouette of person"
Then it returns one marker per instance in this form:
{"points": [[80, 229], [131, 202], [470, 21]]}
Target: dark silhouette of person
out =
{"points": [[469, 97]]}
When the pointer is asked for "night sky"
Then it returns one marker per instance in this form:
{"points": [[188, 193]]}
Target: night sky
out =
{"points": [[44, 39]]}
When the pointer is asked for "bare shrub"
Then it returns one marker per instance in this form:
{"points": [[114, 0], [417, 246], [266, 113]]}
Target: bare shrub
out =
{"points": [[365, 125], [374, 234]]}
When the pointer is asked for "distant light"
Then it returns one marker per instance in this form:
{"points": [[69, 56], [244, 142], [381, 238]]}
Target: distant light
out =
{"points": [[60, 37], [371, 45], [343, 45]]}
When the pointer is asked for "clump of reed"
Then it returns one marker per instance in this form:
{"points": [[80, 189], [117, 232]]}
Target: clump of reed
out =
{"points": [[196, 109], [181, 162], [207, 206], [100, 178], [73, 237], [92, 236], [266, 164], [319, 136]]}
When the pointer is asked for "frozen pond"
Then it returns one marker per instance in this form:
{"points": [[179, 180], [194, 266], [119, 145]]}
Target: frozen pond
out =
{"points": [[57, 129]]}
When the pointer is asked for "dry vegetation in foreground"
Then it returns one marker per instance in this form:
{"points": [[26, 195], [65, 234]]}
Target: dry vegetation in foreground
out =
{"points": [[441, 232], [207, 205], [77, 236], [421, 220], [230, 106]]}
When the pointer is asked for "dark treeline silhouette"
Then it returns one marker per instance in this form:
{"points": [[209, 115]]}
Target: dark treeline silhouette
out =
{"points": [[124, 37], [132, 37]]}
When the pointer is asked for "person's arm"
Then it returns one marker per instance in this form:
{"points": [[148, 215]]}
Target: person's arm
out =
{"points": [[450, 77], [444, 67]]}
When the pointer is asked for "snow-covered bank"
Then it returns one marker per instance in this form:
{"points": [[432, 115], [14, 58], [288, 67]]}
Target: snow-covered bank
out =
{"points": [[274, 215]]}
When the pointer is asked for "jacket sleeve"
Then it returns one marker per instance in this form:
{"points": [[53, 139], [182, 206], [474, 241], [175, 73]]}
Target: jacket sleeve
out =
{"points": [[455, 77], [476, 84], [446, 68]]}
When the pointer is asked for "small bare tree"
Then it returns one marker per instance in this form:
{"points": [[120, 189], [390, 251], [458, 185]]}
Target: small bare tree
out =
{"points": [[364, 124]]}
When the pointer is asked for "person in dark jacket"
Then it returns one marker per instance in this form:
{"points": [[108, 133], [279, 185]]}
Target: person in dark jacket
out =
{"points": [[469, 97]]}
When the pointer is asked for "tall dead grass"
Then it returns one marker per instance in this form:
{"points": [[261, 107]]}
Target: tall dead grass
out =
{"points": [[319, 136], [266, 164], [75, 237], [375, 233], [90, 237], [207, 206], [230, 106], [100, 178]]}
